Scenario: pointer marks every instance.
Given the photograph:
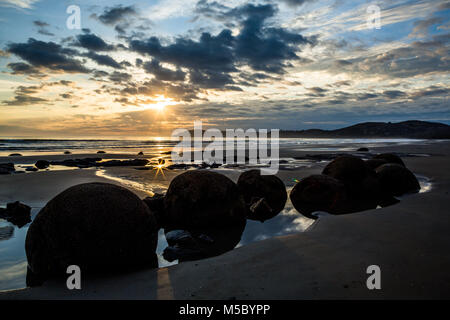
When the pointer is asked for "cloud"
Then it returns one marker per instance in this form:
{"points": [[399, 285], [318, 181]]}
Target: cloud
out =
{"points": [[21, 4], [213, 59], [154, 67], [114, 15], [92, 42], [48, 55], [421, 26], [103, 60]]}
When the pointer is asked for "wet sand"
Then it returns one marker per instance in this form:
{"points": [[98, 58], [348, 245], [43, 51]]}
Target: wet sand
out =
{"points": [[409, 241]]}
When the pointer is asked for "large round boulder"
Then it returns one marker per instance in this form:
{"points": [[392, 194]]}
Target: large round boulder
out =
{"points": [[42, 164], [203, 199], [375, 163], [397, 180], [319, 193], [361, 182], [390, 158], [97, 226], [255, 187]]}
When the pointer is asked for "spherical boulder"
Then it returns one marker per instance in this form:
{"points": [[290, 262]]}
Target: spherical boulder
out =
{"points": [[255, 186], [361, 182], [390, 158], [97, 226], [203, 199], [375, 163], [347, 169], [319, 193], [397, 180]]}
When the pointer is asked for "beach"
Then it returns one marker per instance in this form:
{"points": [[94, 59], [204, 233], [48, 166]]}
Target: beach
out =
{"points": [[322, 259]]}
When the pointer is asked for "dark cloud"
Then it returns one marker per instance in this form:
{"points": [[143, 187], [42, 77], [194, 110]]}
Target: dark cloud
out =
{"points": [[421, 26], [92, 42], [393, 94], [43, 28], [114, 15], [48, 55], [103, 60], [21, 68], [154, 67], [24, 96], [120, 77], [212, 60], [295, 3]]}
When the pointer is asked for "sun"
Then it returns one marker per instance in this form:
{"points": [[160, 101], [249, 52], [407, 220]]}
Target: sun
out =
{"points": [[160, 103]]}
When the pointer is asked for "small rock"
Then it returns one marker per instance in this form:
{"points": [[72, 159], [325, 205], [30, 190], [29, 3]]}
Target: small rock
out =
{"points": [[42, 164], [254, 186], [31, 169], [363, 149], [15, 155], [67, 152], [17, 213], [101, 152], [140, 153]]}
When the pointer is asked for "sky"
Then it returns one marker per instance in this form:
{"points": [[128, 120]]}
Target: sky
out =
{"points": [[145, 68]]}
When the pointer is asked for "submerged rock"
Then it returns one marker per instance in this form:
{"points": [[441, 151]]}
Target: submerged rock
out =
{"points": [[319, 193], [397, 180], [15, 155], [67, 152], [390, 158], [17, 213], [255, 187], [6, 232], [363, 149], [96, 226]]}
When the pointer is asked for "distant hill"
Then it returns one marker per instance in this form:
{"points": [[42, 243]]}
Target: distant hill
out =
{"points": [[412, 129]]}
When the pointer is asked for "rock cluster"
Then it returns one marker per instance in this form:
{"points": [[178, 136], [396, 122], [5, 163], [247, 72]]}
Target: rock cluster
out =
{"points": [[350, 184]]}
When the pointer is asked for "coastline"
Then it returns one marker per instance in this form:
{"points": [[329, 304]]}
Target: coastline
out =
{"points": [[409, 241]]}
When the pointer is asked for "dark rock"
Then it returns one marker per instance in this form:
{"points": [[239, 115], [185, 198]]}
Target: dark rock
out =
{"points": [[67, 152], [363, 149], [17, 213], [6, 232], [124, 163], [31, 169], [101, 152], [255, 186], [179, 237], [140, 153], [397, 180], [42, 164], [197, 199], [375, 163], [96, 226], [319, 193], [202, 243], [390, 158], [15, 155], [361, 182], [8, 166], [156, 205]]}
